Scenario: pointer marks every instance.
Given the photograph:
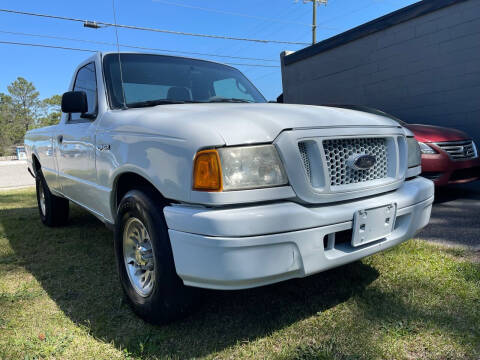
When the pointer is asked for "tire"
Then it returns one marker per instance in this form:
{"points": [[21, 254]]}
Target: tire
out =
{"points": [[151, 285], [53, 209]]}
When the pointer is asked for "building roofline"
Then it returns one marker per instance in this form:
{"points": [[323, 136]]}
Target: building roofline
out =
{"points": [[394, 18]]}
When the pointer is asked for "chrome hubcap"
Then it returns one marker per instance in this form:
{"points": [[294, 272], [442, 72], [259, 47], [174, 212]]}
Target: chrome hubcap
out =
{"points": [[41, 197], [138, 257]]}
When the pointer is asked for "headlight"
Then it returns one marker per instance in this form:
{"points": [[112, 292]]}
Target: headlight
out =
{"points": [[425, 149], [251, 167], [238, 168], [414, 155], [475, 151]]}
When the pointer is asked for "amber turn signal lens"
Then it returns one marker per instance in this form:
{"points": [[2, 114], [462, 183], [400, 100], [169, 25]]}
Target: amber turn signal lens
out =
{"points": [[207, 173]]}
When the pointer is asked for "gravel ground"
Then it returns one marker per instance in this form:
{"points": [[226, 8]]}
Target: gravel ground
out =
{"points": [[455, 216], [14, 174]]}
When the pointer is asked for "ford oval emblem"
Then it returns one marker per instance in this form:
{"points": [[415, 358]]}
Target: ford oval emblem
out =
{"points": [[361, 161]]}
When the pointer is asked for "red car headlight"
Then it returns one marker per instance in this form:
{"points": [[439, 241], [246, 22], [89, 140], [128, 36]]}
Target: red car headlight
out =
{"points": [[426, 149]]}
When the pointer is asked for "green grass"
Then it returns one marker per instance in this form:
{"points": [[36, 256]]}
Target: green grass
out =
{"points": [[60, 298]]}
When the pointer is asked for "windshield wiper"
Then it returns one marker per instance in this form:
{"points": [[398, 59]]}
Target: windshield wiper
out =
{"points": [[229, 100], [147, 103]]}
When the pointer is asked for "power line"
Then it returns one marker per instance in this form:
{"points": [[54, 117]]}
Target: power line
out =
{"points": [[347, 13], [93, 51], [257, 29], [268, 73], [172, 32], [45, 46], [254, 65], [133, 46], [233, 13]]}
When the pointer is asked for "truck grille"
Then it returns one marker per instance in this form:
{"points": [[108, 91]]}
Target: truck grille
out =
{"points": [[326, 165], [302, 146], [459, 150], [337, 152]]}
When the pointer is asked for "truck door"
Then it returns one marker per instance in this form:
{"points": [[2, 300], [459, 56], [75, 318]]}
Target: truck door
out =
{"points": [[76, 145]]}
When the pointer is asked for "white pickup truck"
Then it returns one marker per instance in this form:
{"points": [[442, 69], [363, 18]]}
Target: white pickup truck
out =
{"points": [[209, 186]]}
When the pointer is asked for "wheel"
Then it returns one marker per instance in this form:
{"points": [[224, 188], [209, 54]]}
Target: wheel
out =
{"points": [[145, 260], [53, 209]]}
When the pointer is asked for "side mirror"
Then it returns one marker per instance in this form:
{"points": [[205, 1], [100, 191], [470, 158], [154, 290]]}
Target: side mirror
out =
{"points": [[74, 102]]}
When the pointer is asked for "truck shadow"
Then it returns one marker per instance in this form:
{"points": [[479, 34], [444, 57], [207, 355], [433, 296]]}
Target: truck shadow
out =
{"points": [[75, 265]]}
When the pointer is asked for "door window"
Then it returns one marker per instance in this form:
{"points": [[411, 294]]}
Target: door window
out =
{"points": [[86, 81]]}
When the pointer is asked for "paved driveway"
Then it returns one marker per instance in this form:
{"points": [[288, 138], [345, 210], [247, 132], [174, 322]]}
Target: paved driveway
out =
{"points": [[14, 174], [455, 216]]}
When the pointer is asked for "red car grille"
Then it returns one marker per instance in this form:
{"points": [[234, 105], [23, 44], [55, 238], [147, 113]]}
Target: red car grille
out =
{"points": [[459, 150]]}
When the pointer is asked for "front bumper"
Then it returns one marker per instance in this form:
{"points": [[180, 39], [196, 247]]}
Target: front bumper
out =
{"points": [[443, 171], [244, 247]]}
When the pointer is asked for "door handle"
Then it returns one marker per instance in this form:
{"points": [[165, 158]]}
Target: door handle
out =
{"points": [[60, 139]]}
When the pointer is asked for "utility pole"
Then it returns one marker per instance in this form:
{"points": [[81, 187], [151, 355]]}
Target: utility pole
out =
{"points": [[314, 21]]}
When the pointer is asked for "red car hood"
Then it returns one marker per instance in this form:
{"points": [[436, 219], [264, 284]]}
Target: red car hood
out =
{"points": [[430, 133]]}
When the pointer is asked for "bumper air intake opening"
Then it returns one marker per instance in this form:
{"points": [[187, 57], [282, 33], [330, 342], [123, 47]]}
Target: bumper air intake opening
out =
{"points": [[330, 241], [465, 174]]}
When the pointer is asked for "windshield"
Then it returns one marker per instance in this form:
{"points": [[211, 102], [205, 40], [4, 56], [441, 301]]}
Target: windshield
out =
{"points": [[150, 80]]}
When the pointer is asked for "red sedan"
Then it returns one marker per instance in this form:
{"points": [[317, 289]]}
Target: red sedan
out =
{"points": [[449, 156]]}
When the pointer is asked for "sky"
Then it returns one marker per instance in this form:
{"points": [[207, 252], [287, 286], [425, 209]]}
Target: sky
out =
{"points": [[51, 70]]}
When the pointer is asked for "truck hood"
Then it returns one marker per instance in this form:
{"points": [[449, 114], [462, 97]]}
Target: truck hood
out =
{"points": [[247, 123]]}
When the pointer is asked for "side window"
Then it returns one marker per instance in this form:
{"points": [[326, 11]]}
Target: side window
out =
{"points": [[86, 81]]}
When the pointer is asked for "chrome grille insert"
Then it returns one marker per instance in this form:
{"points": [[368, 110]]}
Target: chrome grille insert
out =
{"points": [[337, 152], [302, 146], [459, 150]]}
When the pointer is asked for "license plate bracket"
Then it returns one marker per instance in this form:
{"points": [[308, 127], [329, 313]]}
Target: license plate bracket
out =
{"points": [[373, 224]]}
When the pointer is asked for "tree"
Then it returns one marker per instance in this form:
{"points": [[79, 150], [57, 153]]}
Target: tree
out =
{"points": [[21, 110], [25, 101], [10, 130], [52, 111]]}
